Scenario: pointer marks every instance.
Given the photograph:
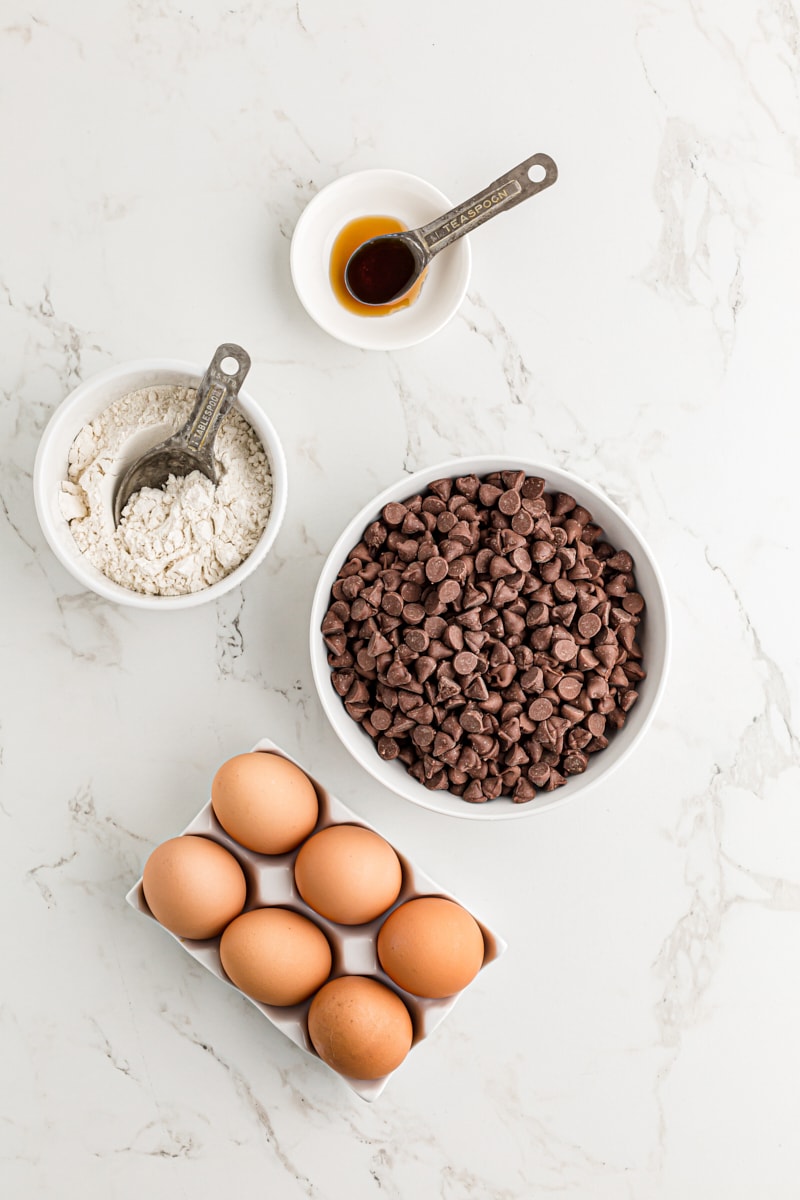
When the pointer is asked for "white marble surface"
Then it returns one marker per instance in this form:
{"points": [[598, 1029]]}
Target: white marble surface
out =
{"points": [[639, 1039]]}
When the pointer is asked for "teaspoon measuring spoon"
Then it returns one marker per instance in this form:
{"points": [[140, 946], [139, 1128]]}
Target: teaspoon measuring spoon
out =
{"points": [[386, 267], [192, 447]]}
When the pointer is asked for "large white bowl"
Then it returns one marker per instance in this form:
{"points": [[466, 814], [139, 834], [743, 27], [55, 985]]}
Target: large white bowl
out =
{"points": [[376, 192], [655, 640], [50, 468]]}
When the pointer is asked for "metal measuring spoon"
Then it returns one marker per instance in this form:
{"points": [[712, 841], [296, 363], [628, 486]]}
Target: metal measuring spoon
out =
{"points": [[386, 267], [192, 447]]}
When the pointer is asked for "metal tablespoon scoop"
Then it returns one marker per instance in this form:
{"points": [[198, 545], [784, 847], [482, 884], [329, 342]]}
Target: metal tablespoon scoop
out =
{"points": [[383, 269], [192, 447]]}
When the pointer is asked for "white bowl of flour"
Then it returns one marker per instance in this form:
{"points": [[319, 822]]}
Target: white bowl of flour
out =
{"points": [[175, 548]]}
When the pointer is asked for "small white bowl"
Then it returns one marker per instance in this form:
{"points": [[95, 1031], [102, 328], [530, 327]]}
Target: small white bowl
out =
{"points": [[655, 640], [51, 465], [376, 192]]}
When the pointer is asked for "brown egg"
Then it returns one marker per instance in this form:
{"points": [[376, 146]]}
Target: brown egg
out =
{"points": [[275, 955], [360, 1027], [348, 874], [193, 886], [264, 801], [431, 947]]}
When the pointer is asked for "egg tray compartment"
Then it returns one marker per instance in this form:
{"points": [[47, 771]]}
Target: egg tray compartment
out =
{"points": [[270, 882]]}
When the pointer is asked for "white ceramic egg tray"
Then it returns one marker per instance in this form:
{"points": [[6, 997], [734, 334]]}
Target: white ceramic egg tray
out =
{"points": [[270, 881]]}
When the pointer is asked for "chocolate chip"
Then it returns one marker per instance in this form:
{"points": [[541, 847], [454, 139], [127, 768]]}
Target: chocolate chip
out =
{"points": [[387, 748], [471, 720], [569, 688], [424, 667], [522, 522], [520, 558], [375, 535], [417, 640], [575, 762], [413, 614], [633, 602], [509, 502], [392, 603], [539, 774], [468, 486], [465, 662], [589, 625], [607, 654], [532, 680], [423, 736], [343, 681], [621, 561], [448, 591], [542, 551], [381, 718], [483, 745], [378, 644], [596, 687], [438, 650], [397, 675], [394, 514], [533, 487], [596, 724], [618, 677], [336, 642], [351, 586], [564, 589], [523, 791], [565, 650], [477, 689], [412, 524], [489, 494], [453, 636], [562, 504], [578, 739], [541, 709], [492, 787]]}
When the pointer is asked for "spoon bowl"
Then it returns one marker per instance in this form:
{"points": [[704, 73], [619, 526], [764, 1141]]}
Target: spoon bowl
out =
{"points": [[192, 447], [385, 268]]}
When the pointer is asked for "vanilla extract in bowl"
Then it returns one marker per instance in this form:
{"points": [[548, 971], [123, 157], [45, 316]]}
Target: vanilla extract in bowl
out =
{"points": [[383, 276]]}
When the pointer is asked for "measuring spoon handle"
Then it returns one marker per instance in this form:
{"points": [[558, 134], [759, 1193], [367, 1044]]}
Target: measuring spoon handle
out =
{"points": [[510, 189], [215, 394]]}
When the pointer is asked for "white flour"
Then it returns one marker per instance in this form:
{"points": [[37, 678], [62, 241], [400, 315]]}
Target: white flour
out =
{"points": [[185, 536]]}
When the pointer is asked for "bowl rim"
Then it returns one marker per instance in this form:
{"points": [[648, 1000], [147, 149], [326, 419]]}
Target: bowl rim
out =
{"points": [[88, 575], [297, 251], [331, 703]]}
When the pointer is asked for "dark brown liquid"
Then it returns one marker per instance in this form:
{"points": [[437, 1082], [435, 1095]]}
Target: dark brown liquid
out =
{"points": [[348, 240], [381, 271]]}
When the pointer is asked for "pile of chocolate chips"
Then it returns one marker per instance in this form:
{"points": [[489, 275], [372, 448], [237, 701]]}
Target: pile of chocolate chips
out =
{"points": [[485, 634]]}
